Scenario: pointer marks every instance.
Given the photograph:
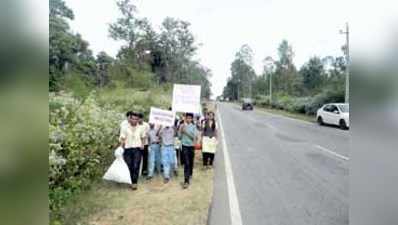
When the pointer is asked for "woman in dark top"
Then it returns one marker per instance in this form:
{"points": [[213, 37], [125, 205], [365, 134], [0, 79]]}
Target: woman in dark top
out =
{"points": [[209, 131]]}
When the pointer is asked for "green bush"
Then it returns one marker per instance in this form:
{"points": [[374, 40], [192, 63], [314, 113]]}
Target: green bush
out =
{"points": [[81, 138], [328, 96], [122, 99], [306, 105], [262, 100], [83, 133]]}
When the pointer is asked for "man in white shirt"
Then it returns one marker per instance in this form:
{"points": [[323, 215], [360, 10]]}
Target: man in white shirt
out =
{"points": [[126, 121], [132, 140]]}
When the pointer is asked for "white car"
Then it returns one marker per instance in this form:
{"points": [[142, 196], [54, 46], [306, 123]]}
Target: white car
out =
{"points": [[335, 114]]}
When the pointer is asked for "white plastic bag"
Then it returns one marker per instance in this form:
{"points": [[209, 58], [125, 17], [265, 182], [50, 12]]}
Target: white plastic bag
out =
{"points": [[118, 171], [209, 144]]}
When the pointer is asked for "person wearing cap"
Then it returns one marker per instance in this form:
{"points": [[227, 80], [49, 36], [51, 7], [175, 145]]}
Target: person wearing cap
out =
{"points": [[188, 134]]}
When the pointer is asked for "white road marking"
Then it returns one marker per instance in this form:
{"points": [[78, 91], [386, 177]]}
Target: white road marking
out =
{"points": [[236, 218], [331, 152]]}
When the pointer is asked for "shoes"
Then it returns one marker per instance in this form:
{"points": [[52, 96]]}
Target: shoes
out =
{"points": [[166, 180], [186, 185], [134, 187], [149, 178]]}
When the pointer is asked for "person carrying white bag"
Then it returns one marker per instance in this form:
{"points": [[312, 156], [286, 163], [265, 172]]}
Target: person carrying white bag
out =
{"points": [[118, 171]]}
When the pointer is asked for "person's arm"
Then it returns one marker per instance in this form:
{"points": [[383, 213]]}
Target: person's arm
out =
{"points": [[180, 129], [216, 133], [196, 135], [142, 138], [191, 135], [122, 137], [142, 143], [203, 125], [159, 131]]}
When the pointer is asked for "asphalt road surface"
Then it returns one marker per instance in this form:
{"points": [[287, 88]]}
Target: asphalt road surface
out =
{"points": [[285, 171]]}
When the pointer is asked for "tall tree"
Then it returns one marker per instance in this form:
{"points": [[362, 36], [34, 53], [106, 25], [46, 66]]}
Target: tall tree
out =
{"points": [[285, 69], [177, 45], [242, 74], [103, 63], [313, 74], [67, 51], [125, 27]]}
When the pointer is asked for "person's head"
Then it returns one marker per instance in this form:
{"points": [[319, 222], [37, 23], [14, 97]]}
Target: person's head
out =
{"points": [[128, 114], [141, 118], [210, 115], [188, 117], [206, 115], [170, 109], [134, 119], [151, 125]]}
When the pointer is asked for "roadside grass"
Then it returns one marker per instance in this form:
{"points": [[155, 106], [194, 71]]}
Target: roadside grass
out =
{"points": [[154, 203], [298, 116]]}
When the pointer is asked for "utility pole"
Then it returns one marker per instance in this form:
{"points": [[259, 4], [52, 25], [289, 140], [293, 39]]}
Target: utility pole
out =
{"points": [[238, 90], [347, 55], [250, 88], [269, 62], [270, 88]]}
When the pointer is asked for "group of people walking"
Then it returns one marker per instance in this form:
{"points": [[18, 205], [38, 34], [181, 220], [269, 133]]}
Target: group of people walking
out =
{"points": [[163, 148]]}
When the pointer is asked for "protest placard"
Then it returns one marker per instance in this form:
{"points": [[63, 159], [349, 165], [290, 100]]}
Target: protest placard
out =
{"points": [[186, 98], [161, 117]]}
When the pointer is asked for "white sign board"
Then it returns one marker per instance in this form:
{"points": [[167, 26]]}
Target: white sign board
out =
{"points": [[186, 98], [161, 117]]}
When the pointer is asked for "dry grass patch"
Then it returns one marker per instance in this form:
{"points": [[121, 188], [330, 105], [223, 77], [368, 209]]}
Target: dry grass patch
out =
{"points": [[154, 203]]}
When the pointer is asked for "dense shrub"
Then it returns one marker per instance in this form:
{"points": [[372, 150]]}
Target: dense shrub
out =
{"points": [[262, 100], [130, 99], [318, 100], [83, 133], [307, 105]]}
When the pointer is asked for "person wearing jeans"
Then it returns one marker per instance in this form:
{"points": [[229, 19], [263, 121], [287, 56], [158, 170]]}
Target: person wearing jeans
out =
{"points": [[188, 134], [132, 141], [154, 151], [168, 156], [167, 151]]}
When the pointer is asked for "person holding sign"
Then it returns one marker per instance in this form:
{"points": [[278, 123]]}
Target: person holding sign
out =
{"points": [[132, 141], [188, 134], [209, 140], [154, 150], [168, 152]]}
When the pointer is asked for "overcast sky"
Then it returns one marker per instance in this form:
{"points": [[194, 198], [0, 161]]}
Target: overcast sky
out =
{"points": [[222, 26]]}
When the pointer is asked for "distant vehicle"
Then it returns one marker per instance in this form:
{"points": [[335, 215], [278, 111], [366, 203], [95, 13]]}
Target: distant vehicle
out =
{"points": [[247, 104], [335, 114]]}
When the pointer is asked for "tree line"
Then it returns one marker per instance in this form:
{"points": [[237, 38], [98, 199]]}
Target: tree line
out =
{"points": [[147, 58], [318, 76]]}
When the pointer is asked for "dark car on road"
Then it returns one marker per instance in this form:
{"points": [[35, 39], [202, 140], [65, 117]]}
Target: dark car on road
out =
{"points": [[247, 104]]}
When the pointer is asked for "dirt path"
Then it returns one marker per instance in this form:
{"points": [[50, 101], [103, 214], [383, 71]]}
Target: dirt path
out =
{"points": [[153, 203]]}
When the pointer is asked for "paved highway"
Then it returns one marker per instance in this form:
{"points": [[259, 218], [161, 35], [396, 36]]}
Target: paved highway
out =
{"points": [[284, 171]]}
